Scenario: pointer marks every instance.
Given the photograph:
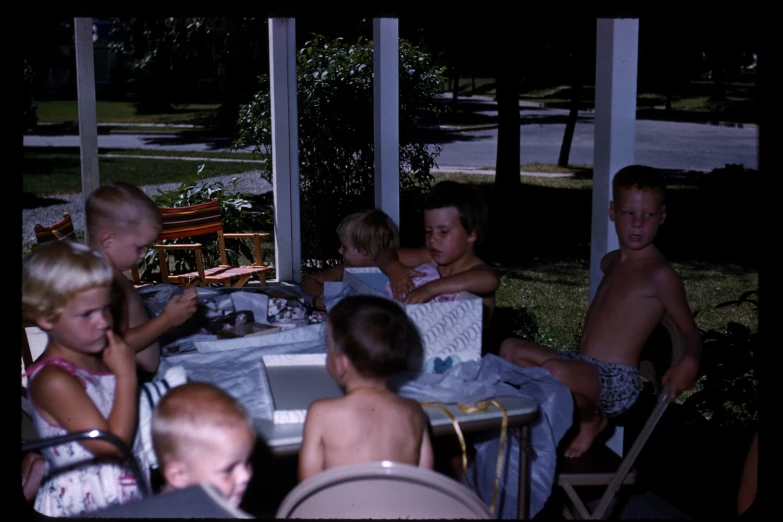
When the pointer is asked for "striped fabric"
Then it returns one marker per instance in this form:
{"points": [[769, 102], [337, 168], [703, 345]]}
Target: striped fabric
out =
{"points": [[193, 220], [60, 230]]}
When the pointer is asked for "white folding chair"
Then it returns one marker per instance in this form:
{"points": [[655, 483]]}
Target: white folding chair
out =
{"points": [[381, 490]]}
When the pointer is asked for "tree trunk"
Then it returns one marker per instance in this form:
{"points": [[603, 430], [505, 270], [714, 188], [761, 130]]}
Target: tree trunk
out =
{"points": [[573, 114], [507, 159], [455, 85]]}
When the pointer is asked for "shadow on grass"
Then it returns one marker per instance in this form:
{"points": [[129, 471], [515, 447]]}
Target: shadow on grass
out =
{"points": [[710, 218], [32, 201], [508, 322]]}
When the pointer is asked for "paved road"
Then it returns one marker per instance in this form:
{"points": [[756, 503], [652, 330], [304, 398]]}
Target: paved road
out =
{"points": [[662, 144]]}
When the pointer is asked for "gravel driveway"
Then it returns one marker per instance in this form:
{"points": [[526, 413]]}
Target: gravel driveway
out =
{"points": [[48, 211]]}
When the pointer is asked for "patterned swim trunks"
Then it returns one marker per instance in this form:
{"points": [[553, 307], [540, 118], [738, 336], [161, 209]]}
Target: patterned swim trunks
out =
{"points": [[619, 383]]}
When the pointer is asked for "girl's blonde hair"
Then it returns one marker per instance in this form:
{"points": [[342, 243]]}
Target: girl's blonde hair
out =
{"points": [[56, 271], [368, 231]]}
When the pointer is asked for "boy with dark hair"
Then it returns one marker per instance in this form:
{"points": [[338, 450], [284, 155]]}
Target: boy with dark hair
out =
{"points": [[638, 288], [370, 339], [454, 223]]}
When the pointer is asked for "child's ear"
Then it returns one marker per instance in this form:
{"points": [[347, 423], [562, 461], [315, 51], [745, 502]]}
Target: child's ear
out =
{"points": [[473, 236], [176, 474], [43, 322], [611, 211], [342, 365], [663, 214], [106, 238]]}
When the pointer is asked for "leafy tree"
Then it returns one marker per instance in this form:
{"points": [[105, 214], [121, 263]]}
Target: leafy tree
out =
{"points": [[166, 57], [335, 110]]}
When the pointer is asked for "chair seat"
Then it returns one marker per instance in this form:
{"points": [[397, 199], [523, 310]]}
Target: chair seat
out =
{"points": [[222, 274], [596, 466]]}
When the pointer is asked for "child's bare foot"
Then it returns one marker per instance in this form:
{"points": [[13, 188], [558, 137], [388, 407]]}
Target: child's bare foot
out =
{"points": [[588, 431]]}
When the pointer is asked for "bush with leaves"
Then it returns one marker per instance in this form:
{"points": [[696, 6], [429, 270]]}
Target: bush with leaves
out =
{"points": [[335, 110], [241, 212], [727, 394]]}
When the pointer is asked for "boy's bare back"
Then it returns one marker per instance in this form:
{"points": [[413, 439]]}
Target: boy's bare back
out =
{"points": [[626, 308], [367, 425]]}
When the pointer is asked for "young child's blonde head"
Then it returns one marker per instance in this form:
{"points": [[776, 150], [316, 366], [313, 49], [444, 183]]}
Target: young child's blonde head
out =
{"points": [[56, 271], [375, 334], [120, 206], [369, 231], [191, 414]]}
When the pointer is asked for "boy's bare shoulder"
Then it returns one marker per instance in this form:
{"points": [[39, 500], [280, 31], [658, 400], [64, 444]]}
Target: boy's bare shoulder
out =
{"points": [[663, 274], [608, 261]]}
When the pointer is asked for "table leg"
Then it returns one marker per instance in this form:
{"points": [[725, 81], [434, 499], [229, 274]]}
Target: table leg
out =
{"points": [[522, 435]]}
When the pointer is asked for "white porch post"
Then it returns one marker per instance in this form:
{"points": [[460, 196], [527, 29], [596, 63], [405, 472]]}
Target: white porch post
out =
{"points": [[616, 61], [88, 118], [386, 107], [285, 149]]}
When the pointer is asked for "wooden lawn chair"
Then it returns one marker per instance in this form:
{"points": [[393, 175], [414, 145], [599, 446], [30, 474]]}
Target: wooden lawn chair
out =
{"points": [[198, 220]]}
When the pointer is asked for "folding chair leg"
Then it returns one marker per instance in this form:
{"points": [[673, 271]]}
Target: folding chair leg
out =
{"points": [[580, 507]]}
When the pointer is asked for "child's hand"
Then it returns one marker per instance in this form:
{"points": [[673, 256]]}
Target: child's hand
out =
{"points": [[318, 302], [181, 307], [401, 282], [680, 377], [118, 356]]}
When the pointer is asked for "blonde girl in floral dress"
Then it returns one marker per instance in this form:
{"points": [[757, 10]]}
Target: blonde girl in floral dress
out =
{"points": [[85, 379]]}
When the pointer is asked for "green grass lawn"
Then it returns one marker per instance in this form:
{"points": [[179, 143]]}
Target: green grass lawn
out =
{"points": [[123, 112], [47, 173]]}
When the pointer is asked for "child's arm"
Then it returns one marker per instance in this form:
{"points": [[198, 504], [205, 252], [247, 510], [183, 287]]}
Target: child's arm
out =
{"points": [[311, 453], [178, 310], [682, 376], [61, 395], [313, 284], [426, 457], [480, 280], [398, 263]]}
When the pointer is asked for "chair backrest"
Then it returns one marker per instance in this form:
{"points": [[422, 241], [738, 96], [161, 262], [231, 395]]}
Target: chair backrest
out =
{"points": [[61, 230], [664, 348], [192, 220], [381, 490], [130, 459]]}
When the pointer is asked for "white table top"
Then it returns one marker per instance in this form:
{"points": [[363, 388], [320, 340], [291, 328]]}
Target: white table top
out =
{"points": [[284, 439]]}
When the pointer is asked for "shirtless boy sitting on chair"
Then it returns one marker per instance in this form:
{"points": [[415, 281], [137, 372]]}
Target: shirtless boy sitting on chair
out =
{"points": [[638, 288]]}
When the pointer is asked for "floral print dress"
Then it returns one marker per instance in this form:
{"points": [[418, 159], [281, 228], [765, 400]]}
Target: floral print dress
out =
{"points": [[75, 482]]}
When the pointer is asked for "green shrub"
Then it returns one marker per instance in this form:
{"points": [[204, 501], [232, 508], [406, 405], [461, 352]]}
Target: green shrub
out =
{"points": [[336, 156], [727, 394]]}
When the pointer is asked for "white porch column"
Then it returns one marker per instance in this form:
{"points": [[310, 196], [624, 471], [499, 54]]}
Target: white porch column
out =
{"points": [[617, 51], [88, 117], [616, 59], [285, 149], [386, 107]]}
